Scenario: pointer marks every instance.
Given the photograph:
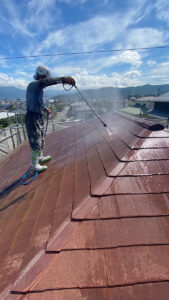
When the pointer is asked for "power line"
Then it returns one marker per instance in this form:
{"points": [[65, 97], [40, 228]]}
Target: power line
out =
{"points": [[84, 52]]}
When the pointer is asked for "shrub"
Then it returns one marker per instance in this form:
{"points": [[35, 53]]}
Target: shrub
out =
{"points": [[4, 123]]}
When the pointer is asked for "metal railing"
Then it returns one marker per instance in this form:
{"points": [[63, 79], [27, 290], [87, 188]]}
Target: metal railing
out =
{"points": [[14, 135], [11, 137]]}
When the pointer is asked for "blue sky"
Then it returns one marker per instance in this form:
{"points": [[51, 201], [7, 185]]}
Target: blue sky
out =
{"points": [[37, 27]]}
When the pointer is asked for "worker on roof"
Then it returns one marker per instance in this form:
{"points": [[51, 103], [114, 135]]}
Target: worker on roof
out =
{"points": [[34, 116]]}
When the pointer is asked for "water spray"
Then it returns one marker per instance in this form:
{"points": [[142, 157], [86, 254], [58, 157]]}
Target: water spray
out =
{"points": [[109, 131], [103, 123]]}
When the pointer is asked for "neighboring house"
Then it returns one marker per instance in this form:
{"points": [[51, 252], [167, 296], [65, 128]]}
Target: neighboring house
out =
{"points": [[5, 105], [138, 106], [80, 111], [95, 224], [147, 101], [156, 106], [4, 115], [161, 107]]}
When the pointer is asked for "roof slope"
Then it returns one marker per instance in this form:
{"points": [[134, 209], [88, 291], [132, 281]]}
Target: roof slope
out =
{"points": [[95, 225]]}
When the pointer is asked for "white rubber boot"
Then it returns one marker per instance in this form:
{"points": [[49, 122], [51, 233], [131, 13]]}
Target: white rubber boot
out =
{"points": [[43, 159], [35, 162]]}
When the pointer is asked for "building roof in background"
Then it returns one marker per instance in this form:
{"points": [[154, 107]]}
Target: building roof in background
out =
{"points": [[4, 115], [95, 225], [162, 98], [146, 99]]}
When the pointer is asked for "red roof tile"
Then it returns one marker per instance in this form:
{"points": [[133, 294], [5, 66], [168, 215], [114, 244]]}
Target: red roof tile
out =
{"points": [[137, 264], [122, 206], [103, 203], [100, 234], [100, 268], [74, 269]]}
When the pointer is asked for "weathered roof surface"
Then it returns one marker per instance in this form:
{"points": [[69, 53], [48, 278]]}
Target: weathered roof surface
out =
{"points": [[95, 225]]}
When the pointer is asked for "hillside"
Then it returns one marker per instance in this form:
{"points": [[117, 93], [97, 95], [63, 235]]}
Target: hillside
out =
{"points": [[114, 94], [12, 93]]}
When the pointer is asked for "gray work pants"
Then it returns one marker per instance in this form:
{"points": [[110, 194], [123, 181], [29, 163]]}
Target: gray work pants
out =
{"points": [[35, 130]]}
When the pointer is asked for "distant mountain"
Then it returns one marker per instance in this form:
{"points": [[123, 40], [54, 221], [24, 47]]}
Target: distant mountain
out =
{"points": [[145, 90], [11, 93], [113, 94], [106, 93]]}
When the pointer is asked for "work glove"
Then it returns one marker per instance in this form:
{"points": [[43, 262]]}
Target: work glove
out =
{"points": [[48, 111], [68, 80]]}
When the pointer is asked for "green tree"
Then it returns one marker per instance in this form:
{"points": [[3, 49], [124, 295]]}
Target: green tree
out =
{"points": [[4, 123]]}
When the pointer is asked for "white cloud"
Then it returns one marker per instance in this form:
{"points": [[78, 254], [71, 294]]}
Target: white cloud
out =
{"points": [[101, 30], [105, 31], [162, 68], [151, 62], [132, 58], [164, 64], [162, 9], [145, 37], [22, 73], [129, 57], [29, 18], [5, 80], [41, 5], [158, 74], [3, 62], [96, 65], [56, 38], [40, 15], [13, 19], [66, 70], [85, 80], [133, 73], [83, 36], [74, 2]]}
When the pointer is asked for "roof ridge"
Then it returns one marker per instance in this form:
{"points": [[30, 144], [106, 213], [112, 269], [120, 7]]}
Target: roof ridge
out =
{"points": [[144, 123]]}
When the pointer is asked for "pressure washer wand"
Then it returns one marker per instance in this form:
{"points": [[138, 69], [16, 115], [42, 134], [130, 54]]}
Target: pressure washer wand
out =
{"points": [[104, 124]]}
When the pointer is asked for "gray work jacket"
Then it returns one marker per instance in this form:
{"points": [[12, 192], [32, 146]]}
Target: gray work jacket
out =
{"points": [[35, 96]]}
